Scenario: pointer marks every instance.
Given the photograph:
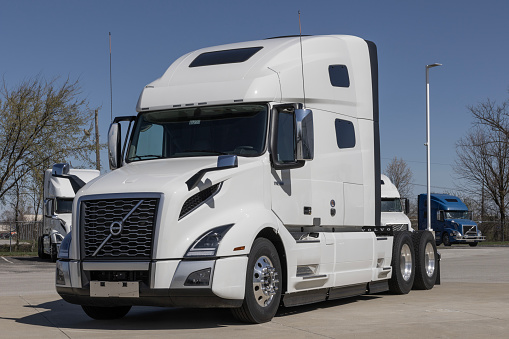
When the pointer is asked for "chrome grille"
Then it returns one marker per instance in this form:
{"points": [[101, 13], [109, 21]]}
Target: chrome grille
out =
{"points": [[135, 238], [470, 230]]}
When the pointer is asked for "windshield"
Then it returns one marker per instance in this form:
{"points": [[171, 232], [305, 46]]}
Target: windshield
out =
{"points": [[63, 205], [391, 205], [457, 215], [202, 131]]}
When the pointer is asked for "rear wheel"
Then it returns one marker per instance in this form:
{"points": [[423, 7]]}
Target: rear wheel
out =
{"points": [[426, 258], [263, 284], [106, 313], [403, 266]]}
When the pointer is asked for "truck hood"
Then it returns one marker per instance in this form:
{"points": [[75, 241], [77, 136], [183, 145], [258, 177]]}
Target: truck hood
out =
{"points": [[159, 175], [391, 218], [461, 222]]}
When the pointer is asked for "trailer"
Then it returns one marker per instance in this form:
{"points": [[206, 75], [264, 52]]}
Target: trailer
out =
{"points": [[250, 179]]}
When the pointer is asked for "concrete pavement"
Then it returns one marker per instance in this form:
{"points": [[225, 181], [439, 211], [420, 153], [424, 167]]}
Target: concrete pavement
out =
{"points": [[473, 301]]}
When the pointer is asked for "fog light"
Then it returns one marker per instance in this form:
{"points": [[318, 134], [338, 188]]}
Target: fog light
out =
{"points": [[198, 278], [60, 278]]}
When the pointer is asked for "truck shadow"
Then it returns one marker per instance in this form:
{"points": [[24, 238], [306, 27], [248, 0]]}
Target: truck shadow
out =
{"points": [[62, 315]]}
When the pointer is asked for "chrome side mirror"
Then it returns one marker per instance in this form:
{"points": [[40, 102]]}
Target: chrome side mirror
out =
{"points": [[114, 142], [59, 170], [48, 208], [304, 134]]}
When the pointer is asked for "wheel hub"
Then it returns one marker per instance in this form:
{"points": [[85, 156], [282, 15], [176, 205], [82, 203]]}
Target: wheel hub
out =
{"points": [[406, 262], [265, 281], [429, 259]]}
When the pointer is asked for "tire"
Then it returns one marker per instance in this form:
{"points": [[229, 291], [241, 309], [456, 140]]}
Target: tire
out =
{"points": [[40, 248], [40, 252], [403, 263], [53, 252], [445, 239], [263, 284], [473, 244], [106, 313], [426, 260]]}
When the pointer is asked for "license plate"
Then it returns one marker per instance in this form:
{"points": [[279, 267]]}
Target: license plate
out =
{"points": [[119, 289]]}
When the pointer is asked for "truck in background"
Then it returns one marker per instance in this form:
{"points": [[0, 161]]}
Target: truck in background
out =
{"points": [[394, 208], [58, 196], [237, 190], [450, 219]]}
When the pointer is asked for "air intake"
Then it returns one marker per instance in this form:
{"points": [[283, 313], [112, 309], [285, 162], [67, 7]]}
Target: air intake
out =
{"points": [[199, 199]]}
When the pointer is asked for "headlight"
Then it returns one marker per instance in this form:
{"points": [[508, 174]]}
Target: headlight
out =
{"points": [[206, 245], [63, 253], [479, 232]]}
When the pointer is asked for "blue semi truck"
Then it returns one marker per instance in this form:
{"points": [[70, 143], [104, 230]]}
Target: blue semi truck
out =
{"points": [[450, 219]]}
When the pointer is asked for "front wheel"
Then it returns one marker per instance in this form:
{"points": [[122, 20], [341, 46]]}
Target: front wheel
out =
{"points": [[445, 239], [263, 284], [106, 313], [53, 252], [403, 265]]}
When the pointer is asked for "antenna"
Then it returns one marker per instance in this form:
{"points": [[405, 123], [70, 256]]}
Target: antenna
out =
{"points": [[111, 87], [302, 62]]}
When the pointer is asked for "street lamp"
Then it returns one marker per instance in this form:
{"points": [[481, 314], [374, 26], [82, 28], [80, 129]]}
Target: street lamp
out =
{"points": [[428, 146]]}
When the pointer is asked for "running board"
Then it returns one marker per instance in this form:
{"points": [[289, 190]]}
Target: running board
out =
{"points": [[314, 296]]}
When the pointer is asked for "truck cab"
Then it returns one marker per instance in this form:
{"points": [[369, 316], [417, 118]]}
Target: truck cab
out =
{"points": [[394, 208], [450, 219], [58, 193]]}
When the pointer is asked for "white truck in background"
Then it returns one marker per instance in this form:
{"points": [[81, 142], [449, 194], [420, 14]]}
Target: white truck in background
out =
{"points": [[250, 179], [58, 196], [394, 208]]}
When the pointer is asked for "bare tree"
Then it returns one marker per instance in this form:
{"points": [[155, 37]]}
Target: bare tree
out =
{"points": [[483, 159], [490, 114], [401, 176], [41, 122]]}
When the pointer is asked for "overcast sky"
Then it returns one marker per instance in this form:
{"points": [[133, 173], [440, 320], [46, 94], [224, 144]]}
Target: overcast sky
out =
{"points": [[470, 38]]}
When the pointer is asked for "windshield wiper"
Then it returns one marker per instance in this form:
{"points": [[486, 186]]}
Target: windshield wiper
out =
{"points": [[146, 156], [204, 151]]}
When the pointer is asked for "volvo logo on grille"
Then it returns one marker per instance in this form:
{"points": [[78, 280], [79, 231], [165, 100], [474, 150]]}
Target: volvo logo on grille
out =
{"points": [[116, 228]]}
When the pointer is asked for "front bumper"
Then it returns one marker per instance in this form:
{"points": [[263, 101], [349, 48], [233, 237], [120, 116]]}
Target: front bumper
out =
{"points": [[467, 239], [196, 283]]}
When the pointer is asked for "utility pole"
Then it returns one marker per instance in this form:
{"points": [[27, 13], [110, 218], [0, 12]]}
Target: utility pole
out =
{"points": [[97, 155]]}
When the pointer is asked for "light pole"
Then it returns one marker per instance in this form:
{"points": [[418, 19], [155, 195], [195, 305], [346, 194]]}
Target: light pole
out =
{"points": [[428, 162]]}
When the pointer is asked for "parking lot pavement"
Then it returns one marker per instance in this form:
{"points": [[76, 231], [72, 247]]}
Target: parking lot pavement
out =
{"points": [[471, 302]]}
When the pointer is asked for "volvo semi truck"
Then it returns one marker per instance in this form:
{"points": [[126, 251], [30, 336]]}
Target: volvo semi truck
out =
{"points": [[394, 208], [250, 179], [450, 220], [58, 195]]}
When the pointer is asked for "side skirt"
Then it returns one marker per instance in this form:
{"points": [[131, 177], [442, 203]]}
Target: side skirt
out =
{"points": [[314, 296]]}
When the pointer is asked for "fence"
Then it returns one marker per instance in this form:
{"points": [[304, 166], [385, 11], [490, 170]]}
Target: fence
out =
{"points": [[20, 235]]}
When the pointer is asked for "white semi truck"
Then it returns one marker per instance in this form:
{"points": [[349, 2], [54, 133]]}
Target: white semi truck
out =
{"points": [[250, 179], [58, 195], [394, 208]]}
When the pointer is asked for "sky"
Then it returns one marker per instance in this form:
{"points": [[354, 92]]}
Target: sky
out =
{"points": [[470, 38]]}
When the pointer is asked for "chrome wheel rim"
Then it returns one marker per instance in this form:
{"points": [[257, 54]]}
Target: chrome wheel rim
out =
{"points": [[405, 263], [429, 259], [265, 281]]}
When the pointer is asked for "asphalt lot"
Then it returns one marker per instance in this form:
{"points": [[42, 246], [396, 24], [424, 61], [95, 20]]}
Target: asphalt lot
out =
{"points": [[472, 301]]}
